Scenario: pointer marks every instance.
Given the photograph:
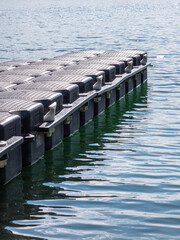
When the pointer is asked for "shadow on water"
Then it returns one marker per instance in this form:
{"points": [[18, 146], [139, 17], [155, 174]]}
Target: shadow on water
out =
{"points": [[38, 182]]}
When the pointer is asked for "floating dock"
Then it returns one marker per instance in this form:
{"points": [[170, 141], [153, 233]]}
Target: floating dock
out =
{"points": [[43, 101]]}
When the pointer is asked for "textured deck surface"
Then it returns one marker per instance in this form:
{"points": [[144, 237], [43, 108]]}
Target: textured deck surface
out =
{"points": [[30, 88]]}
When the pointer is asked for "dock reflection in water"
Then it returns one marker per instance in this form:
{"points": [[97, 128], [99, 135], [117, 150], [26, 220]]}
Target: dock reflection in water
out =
{"points": [[80, 177]]}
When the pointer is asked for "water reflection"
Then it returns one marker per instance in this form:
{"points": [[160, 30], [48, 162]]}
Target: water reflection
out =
{"points": [[73, 176]]}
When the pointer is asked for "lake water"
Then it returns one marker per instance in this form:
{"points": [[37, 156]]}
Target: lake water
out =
{"points": [[118, 177]]}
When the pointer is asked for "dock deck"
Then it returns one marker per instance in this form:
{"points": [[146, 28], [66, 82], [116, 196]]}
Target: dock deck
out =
{"points": [[46, 100]]}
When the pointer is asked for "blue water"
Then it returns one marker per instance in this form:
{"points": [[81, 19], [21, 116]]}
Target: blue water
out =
{"points": [[118, 177]]}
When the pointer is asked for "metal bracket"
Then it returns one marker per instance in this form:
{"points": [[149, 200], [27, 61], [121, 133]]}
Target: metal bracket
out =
{"points": [[3, 163], [119, 87], [108, 94], [97, 99], [67, 121], [84, 108], [51, 131]]}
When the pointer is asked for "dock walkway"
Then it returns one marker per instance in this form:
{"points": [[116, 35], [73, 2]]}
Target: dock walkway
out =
{"points": [[43, 101]]}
